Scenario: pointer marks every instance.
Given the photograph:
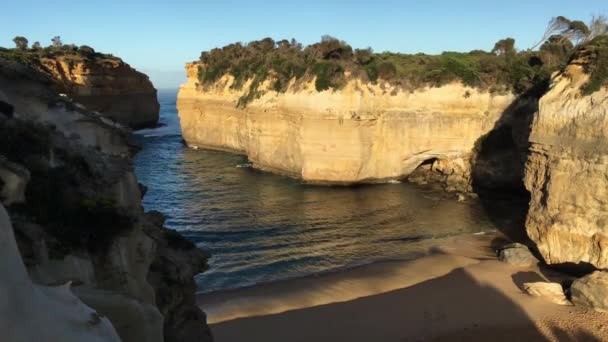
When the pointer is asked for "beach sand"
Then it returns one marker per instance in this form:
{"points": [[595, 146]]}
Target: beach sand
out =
{"points": [[459, 291]]}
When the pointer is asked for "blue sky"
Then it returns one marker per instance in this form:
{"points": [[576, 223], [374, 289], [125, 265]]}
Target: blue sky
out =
{"points": [[158, 37]]}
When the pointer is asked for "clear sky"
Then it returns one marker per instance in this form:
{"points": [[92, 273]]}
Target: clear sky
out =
{"points": [[158, 37]]}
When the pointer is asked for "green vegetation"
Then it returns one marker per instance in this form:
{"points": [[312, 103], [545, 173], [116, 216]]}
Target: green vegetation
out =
{"points": [[597, 67], [22, 54], [330, 60]]}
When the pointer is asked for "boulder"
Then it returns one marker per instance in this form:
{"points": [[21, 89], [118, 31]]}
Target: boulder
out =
{"points": [[552, 292], [517, 254], [591, 291]]}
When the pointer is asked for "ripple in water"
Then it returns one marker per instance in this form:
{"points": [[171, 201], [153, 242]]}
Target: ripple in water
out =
{"points": [[261, 227]]}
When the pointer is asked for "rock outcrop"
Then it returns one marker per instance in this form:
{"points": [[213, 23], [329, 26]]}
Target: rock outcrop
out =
{"points": [[106, 85], [361, 133], [591, 291], [517, 254], [567, 171], [66, 177]]}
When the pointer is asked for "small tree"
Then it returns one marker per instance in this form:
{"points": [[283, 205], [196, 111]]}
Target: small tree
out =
{"points": [[504, 47], [56, 41], [36, 46], [597, 27], [20, 43]]}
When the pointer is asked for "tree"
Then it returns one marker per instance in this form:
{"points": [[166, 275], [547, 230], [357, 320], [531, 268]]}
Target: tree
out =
{"points": [[575, 31], [504, 47], [597, 27], [20, 42], [57, 43], [36, 46]]}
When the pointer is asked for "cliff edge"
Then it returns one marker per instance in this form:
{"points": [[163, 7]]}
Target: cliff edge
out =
{"points": [[362, 132], [567, 167], [101, 82]]}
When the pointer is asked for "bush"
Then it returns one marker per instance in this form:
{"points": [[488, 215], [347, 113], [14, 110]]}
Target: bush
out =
{"points": [[328, 75], [597, 67]]}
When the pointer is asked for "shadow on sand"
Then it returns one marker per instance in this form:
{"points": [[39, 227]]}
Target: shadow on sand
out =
{"points": [[454, 307]]}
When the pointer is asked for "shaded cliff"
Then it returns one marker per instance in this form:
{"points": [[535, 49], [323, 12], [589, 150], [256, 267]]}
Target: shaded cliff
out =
{"points": [[67, 179], [101, 82], [567, 166]]}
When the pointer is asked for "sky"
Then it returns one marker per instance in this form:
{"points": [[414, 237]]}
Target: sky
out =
{"points": [[158, 37]]}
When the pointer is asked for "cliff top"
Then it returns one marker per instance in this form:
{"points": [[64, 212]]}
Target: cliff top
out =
{"points": [[332, 62], [36, 54]]}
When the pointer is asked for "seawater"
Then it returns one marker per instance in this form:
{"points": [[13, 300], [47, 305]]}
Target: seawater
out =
{"points": [[261, 227]]}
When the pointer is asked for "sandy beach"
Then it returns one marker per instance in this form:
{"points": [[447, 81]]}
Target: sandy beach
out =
{"points": [[459, 291]]}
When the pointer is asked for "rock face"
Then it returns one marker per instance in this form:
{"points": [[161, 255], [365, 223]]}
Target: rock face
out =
{"points": [[591, 291], [362, 133], [108, 86], [67, 179], [567, 172], [37, 313]]}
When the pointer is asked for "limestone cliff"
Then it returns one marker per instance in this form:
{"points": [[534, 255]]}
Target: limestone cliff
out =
{"points": [[67, 179], [106, 85], [362, 133], [567, 171]]}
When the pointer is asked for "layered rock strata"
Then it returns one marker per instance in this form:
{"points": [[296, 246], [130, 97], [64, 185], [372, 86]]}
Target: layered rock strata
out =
{"points": [[567, 172], [106, 85], [361, 133]]}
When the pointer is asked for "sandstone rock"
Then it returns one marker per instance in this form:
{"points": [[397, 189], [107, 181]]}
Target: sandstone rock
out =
{"points": [[552, 292], [110, 87], [361, 133], [567, 172], [517, 254], [37, 313], [591, 291]]}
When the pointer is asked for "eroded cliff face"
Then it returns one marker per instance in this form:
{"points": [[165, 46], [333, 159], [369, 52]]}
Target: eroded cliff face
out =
{"points": [[567, 172], [67, 179], [108, 86], [362, 133]]}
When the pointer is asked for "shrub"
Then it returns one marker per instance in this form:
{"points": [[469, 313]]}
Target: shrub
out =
{"points": [[328, 75], [597, 66]]}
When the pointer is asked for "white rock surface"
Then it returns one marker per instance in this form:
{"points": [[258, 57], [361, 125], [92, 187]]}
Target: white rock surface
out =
{"points": [[36, 313]]}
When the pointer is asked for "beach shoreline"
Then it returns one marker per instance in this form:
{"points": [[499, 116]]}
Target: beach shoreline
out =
{"points": [[457, 291]]}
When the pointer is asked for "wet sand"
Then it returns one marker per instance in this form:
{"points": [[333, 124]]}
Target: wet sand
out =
{"points": [[457, 292]]}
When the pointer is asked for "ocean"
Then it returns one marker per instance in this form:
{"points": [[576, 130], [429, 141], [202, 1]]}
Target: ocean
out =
{"points": [[261, 227]]}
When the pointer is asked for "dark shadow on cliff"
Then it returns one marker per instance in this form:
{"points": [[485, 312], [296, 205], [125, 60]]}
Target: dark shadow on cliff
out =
{"points": [[454, 307], [498, 165]]}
